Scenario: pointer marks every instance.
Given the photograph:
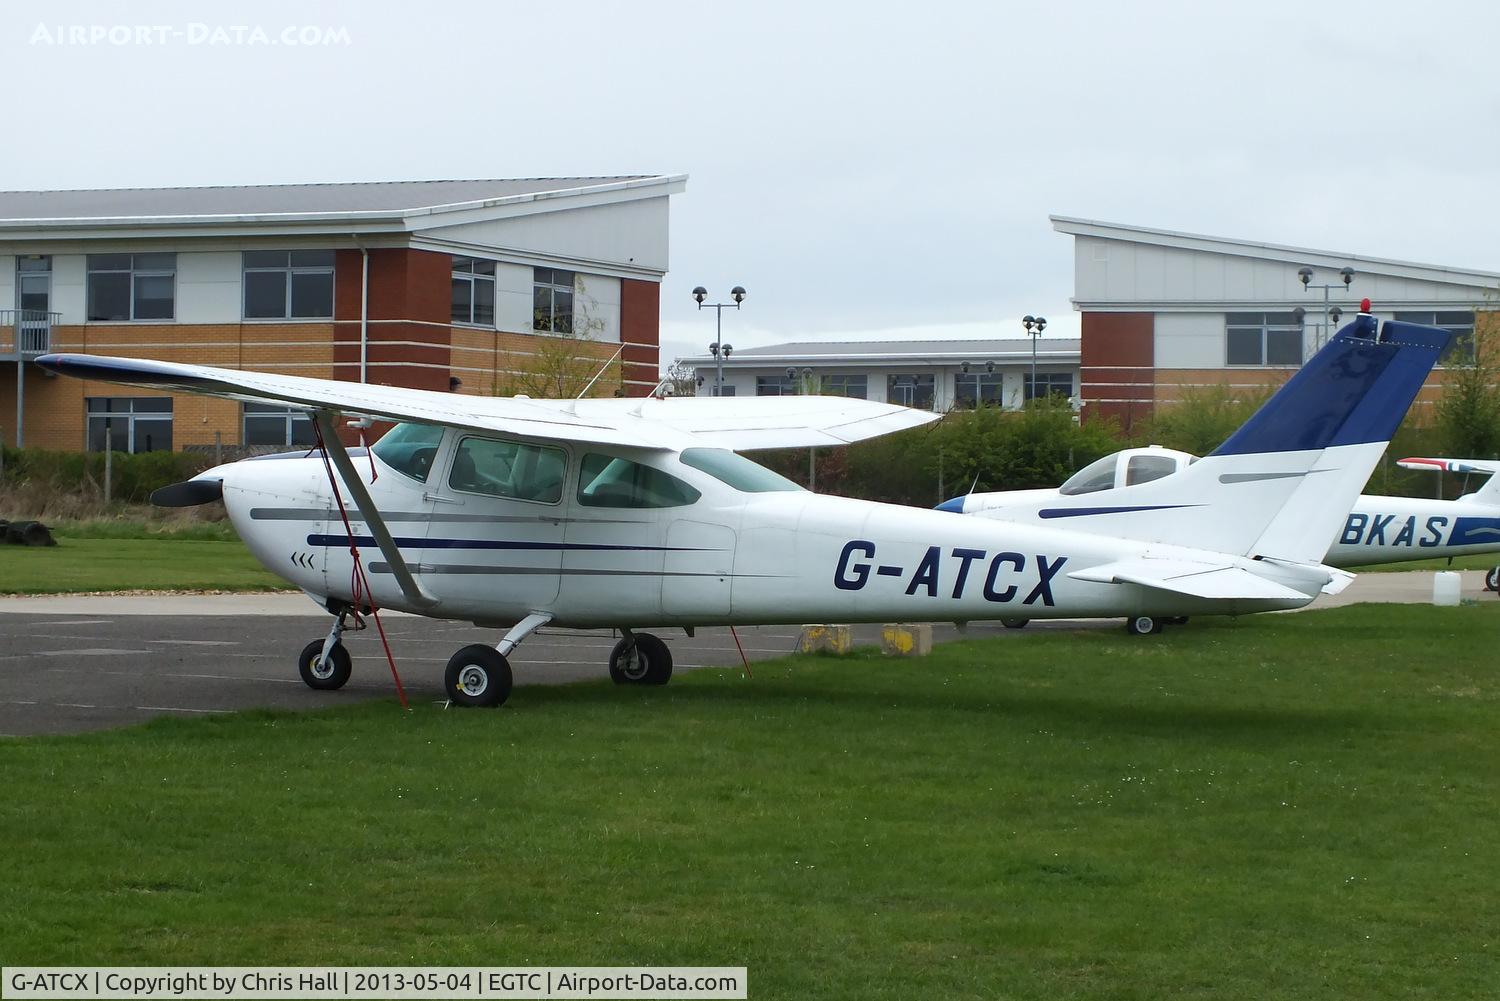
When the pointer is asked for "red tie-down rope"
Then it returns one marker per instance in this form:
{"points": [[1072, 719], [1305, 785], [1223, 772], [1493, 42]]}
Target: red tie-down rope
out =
{"points": [[359, 584]]}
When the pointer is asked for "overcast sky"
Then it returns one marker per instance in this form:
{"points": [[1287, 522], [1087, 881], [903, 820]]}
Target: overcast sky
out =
{"points": [[860, 168]]}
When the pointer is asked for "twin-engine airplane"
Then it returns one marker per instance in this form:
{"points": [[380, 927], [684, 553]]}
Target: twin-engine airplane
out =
{"points": [[1378, 530], [636, 513]]}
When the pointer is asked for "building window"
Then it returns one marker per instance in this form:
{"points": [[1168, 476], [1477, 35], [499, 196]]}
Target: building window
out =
{"points": [[473, 291], [973, 389], [266, 424], [1459, 323], [288, 284], [33, 282], [775, 385], [856, 387], [129, 424], [1263, 339], [132, 286], [911, 390], [1049, 384], [552, 300]]}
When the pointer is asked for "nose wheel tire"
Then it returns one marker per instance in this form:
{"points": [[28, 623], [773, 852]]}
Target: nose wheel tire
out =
{"points": [[1014, 623], [1142, 625], [324, 675], [477, 676], [640, 660], [1492, 579]]}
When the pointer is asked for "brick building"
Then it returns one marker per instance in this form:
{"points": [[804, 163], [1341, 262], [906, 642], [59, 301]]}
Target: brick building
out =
{"points": [[442, 285], [1167, 313]]}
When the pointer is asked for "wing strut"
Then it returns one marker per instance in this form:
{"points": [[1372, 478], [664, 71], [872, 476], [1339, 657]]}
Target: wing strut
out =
{"points": [[367, 510]]}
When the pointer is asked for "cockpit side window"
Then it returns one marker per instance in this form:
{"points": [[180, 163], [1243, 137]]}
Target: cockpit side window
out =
{"points": [[1145, 468], [509, 469], [1096, 476], [409, 449], [609, 481]]}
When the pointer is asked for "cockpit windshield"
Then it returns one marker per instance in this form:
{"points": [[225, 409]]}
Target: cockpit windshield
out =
{"points": [[409, 449], [1096, 476]]}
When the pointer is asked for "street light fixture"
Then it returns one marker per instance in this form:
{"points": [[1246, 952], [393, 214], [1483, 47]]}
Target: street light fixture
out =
{"points": [[718, 348], [1034, 326], [1330, 312]]}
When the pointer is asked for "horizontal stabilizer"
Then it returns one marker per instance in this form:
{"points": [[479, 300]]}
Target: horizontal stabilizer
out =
{"points": [[1196, 580]]}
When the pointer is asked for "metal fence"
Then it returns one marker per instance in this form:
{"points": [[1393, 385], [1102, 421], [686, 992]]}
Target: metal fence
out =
{"points": [[25, 333]]}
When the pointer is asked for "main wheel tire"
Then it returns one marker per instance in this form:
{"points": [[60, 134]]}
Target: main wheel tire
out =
{"points": [[1142, 625], [477, 676], [1492, 579], [645, 660], [328, 675], [1014, 623]]}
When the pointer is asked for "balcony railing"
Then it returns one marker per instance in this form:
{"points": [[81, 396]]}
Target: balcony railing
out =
{"points": [[25, 333]]}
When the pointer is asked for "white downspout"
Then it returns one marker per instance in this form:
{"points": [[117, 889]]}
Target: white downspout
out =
{"points": [[364, 309]]}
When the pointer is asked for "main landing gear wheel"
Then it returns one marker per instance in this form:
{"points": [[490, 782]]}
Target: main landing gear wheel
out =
{"points": [[477, 676], [640, 659], [1142, 625], [1014, 623], [325, 675], [1492, 579]]}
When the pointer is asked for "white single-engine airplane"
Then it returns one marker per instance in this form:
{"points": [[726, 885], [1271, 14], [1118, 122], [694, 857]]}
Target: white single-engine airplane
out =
{"points": [[1379, 529], [634, 513]]}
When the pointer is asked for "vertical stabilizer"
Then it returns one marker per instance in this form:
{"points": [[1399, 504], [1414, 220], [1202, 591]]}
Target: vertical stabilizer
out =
{"points": [[1282, 485]]}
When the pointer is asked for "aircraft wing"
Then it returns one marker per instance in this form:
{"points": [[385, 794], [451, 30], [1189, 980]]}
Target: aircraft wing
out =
{"points": [[1197, 580], [752, 422], [727, 422], [1480, 466]]}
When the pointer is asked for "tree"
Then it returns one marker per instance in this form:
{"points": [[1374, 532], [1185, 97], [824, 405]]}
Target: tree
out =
{"points": [[682, 378], [559, 367], [1466, 419], [1204, 417]]}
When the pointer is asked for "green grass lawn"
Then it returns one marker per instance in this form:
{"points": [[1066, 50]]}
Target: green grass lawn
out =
{"points": [[1481, 562], [1288, 806], [115, 564]]}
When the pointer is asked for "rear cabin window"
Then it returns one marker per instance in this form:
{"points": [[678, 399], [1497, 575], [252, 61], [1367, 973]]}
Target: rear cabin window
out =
{"points": [[409, 449], [1145, 468], [609, 481], [509, 469], [736, 470]]}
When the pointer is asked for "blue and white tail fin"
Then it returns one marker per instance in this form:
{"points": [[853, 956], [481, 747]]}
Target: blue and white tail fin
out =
{"points": [[1282, 485]]}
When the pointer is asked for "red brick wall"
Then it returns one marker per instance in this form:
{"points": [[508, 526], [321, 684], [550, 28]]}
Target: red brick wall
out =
{"points": [[640, 331], [1118, 364], [409, 341]]}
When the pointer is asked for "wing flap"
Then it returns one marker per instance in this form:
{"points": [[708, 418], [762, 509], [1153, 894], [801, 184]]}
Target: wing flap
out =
{"points": [[1197, 580]]}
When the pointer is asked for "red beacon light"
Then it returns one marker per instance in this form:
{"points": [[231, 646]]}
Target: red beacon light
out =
{"points": [[1364, 305]]}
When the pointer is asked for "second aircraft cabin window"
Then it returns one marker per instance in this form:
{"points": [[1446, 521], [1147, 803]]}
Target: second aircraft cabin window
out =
{"points": [[509, 469], [609, 481]]}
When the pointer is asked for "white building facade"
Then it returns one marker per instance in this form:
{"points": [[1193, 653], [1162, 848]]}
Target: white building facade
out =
{"points": [[1166, 312], [932, 375]]}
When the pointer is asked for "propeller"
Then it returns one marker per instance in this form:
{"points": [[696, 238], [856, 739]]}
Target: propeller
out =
{"points": [[189, 493]]}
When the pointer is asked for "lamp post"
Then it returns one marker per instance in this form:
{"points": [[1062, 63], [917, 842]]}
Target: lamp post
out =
{"points": [[718, 348], [1034, 326], [1305, 274]]}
